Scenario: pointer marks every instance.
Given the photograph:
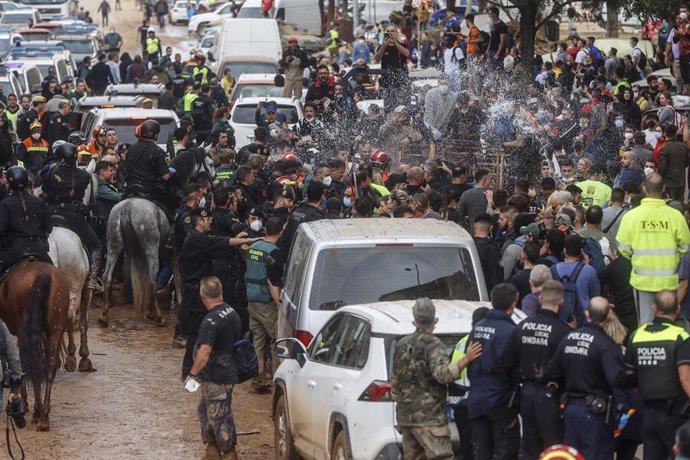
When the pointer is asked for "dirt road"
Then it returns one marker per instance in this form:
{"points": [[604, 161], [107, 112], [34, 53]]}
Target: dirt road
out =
{"points": [[134, 406]]}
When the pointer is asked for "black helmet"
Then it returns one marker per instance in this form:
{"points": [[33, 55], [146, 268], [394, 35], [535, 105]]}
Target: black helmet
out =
{"points": [[67, 152], [76, 138], [17, 177], [148, 130]]}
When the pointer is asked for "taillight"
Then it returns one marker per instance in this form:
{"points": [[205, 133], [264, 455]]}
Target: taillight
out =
{"points": [[304, 337], [378, 390]]}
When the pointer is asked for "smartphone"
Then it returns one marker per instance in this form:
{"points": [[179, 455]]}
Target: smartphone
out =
{"points": [[386, 36]]}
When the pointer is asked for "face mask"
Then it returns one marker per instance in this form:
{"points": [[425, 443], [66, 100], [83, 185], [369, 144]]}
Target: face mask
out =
{"points": [[683, 15], [657, 134], [584, 125], [347, 201], [327, 181], [36, 136], [648, 171], [256, 225], [202, 202], [620, 123], [628, 135]]}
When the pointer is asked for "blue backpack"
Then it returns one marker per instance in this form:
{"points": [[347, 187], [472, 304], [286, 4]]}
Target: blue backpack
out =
{"points": [[596, 258], [570, 308]]}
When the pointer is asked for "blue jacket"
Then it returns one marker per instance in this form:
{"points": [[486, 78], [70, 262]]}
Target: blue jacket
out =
{"points": [[492, 387]]}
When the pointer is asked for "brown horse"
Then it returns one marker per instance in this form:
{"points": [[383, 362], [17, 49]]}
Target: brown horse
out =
{"points": [[34, 303]]}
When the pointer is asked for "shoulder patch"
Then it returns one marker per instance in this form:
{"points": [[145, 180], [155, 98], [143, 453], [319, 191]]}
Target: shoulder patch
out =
{"points": [[187, 219], [57, 178]]}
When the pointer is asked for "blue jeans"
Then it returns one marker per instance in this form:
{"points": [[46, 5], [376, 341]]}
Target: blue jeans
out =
{"points": [[587, 432]]}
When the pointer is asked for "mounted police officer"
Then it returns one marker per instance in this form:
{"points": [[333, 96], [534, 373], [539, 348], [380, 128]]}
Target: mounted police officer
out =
{"points": [[533, 344], [64, 189], [146, 169], [24, 222], [590, 364], [421, 373], [215, 368], [196, 263], [659, 352]]}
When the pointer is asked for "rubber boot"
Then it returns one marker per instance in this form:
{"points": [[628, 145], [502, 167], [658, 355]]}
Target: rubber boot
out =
{"points": [[94, 283]]}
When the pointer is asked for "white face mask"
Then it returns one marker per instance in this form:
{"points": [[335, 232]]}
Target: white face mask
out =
{"points": [[256, 225], [36, 136], [202, 202], [648, 171], [628, 135], [683, 15], [347, 201], [619, 123], [327, 181]]}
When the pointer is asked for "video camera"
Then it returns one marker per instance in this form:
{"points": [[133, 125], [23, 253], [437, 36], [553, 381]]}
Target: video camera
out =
{"points": [[16, 408]]}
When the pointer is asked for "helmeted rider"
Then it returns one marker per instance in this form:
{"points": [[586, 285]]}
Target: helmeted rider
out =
{"points": [[64, 189], [24, 222], [146, 167]]}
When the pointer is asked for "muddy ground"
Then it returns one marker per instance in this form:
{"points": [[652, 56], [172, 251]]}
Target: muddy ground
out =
{"points": [[134, 406]]}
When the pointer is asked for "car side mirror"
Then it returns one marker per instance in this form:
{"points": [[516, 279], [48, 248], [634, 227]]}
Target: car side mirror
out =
{"points": [[291, 348]]}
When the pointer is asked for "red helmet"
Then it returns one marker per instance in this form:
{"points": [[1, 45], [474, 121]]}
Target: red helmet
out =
{"points": [[561, 452], [289, 157], [199, 56], [379, 159]]}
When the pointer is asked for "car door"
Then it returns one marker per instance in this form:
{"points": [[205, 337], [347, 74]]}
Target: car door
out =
{"points": [[302, 394], [335, 378]]}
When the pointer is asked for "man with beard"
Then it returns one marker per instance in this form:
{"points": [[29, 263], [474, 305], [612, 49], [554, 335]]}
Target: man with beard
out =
{"points": [[323, 87]]}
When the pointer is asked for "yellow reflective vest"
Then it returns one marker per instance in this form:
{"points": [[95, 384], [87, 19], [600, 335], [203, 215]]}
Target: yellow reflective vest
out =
{"points": [[204, 74], [188, 100], [153, 45], [653, 236]]}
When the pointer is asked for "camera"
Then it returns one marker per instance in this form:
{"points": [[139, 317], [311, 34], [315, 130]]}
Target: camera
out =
{"points": [[16, 408], [386, 36], [289, 59]]}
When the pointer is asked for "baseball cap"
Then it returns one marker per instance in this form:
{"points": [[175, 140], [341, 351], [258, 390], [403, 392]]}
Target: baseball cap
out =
{"points": [[424, 312], [459, 171], [271, 108], [548, 183], [573, 189], [531, 229], [200, 212]]}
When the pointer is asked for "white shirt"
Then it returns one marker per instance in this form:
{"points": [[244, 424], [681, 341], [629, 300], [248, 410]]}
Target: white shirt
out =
{"points": [[581, 56], [452, 64]]}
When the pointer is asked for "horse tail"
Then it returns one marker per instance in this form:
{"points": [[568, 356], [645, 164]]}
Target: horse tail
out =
{"points": [[33, 341], [142, 284]]}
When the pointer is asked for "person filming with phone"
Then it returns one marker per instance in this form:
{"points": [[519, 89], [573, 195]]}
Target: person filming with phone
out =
{"points": [[393, 55]]}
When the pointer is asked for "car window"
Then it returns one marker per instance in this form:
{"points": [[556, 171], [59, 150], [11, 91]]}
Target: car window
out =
{"points": [[79, 46], [62, 69], [247, 12], [251, 90], [349, 276], [34, 77], [352, 348], [227, 9], [125, 128], [324, 346], [296, 268], [244, 114], [240, 68]]}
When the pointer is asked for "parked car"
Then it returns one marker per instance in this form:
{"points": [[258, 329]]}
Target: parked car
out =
{"points": [[252, 85], [332, 399], [178, 12], [200, 22], [19, 18], [125, 120], [242, 116], [334, 263]]}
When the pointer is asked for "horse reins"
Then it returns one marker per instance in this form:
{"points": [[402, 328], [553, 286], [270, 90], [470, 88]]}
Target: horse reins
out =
{"points": [[16, 439]]}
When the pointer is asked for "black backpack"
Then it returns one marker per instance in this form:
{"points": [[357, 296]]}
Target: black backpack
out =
{"points": [[486, 39], [245, 360], [643, 59]]}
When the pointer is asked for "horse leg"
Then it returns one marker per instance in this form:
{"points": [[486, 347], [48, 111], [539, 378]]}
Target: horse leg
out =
{"points": [[38, 401], [71, 360], [107, 281], [54, 342], [177, 281], [154, 308], [84, 363]]}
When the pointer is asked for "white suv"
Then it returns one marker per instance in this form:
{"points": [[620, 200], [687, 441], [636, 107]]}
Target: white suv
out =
{"points": [[243, 113], [332, 399]]}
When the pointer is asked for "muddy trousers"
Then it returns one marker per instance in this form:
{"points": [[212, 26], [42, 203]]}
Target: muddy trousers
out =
{"points": [[263, 318], [429, 442], [215, 416]]}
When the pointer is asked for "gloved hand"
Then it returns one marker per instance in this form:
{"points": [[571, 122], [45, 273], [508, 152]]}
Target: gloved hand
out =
{"points": [[191, 384]]}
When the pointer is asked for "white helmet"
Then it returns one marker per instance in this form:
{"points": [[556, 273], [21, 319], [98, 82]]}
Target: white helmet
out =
{"points": [[151, 29], [57, 144]]}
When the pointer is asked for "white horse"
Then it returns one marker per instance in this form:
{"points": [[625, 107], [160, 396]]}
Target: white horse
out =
{"points": [[71, 259]]}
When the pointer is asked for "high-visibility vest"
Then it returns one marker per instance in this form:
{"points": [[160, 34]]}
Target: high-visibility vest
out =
{"points": [[12, 117], [188, 100], [41, 146], [153, 45], [204, 74], [653, 236]]}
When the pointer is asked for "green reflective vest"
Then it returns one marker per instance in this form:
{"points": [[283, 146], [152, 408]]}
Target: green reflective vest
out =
{"points": [[188, 100], [256, 277]]}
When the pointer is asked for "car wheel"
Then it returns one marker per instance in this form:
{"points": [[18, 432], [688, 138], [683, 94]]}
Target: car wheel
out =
{"points": [[201, 28], [339, 451], [285, 449]]}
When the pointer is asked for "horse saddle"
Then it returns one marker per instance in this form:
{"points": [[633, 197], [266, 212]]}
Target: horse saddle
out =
{"points": [[59, 221]]}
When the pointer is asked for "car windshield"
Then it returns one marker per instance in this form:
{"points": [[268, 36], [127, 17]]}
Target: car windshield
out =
{"points": [[43, 68], [79, 46], [247, 12], [252, 90], [240, 68], [4, 45], [376, 274], [244, 114], [43, 2], [21, 18], [125, 128]]}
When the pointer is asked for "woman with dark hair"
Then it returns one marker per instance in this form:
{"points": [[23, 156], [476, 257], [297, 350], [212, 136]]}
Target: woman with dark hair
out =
{"points": [[125, 61]]}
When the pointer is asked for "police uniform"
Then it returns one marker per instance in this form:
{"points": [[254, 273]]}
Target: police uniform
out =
{"points": [[196, 263], [64, 188], [655, 351], [24, 120], [145, 166], [220, 329], [24, 228], [419, 381], [202, 74], [590, 365], [183, 225], [58, 128], [264, 263], [304, 212], [533, 343]]}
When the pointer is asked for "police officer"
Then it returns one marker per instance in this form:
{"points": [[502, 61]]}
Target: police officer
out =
{"points": [[146, 166], [307, 211], [282, 198], [421, 372], [153, 43], [64, 189], [533, 343], [659, 352], [490, 406], [219, 331], [262, 278], [590, 364], [24, 222], [196, 263], [32, 153], [201, 72], [191, 94], [26, 119], [58, 125]]}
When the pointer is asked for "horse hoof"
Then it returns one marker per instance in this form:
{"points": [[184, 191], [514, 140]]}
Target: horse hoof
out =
{"points": [[43, 426], [86, 366], [160, 322], [70, 364], [103, 321]]}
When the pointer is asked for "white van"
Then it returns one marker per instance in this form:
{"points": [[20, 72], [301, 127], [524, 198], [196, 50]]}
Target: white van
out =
{"points": [[304, 13], [259, 38]]}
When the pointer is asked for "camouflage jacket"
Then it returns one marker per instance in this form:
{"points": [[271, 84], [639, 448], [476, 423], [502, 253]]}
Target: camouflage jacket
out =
{"points": [[420, 377]]}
